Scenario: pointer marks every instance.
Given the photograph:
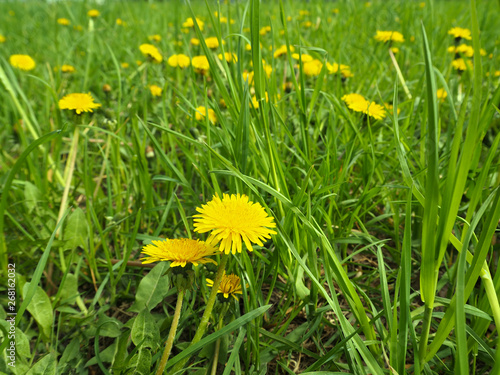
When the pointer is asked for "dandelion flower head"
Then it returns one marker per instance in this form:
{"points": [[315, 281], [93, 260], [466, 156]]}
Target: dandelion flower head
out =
{"points": [[441, 94], [233, 220], [200, 63], [313, 68], [78, 102], [180, 60], [155, 90], [305, 58], [23, 62], [461, 64], [179, 252], [230, 57], [67, 68], [152, 52], [63, 21], [201, 113], [190, 23], [93, 13], [229, 285], [459, 32], [386, 36], [282, 51], [212, 42]]}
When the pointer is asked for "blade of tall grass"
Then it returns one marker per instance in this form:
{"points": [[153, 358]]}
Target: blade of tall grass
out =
{"points": [[428, 273]]}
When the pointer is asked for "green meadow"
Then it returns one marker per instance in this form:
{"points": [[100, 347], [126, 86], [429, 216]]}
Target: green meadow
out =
{"points": [[249, 187]]}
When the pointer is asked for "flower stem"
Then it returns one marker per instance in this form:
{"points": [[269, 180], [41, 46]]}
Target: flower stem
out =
{"points": [[171, 334], [424, 336], [217, 343], [68, 175], [208, 310]]}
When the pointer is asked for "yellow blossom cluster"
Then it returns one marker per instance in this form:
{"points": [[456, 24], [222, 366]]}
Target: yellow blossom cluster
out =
{"points": [[358, 103]]}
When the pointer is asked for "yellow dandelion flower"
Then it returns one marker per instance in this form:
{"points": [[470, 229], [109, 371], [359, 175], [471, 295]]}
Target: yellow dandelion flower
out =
{"points": [[120, 22], [282, 51], [376, 111], [441, 94], [230, 57], [200, 64], [2, 39], [312, 68], [305, 58], [459, 33], [67, 68], [229, 285], [155, 38], [93, 13], [78, 102], [386, 36], [155, 90], [180, 60], [212, 42], [190, 23], [23, 62], [461, 64], [195, 41], [152, 52], [125, 65], [248, 76], [395, 50], [179, 252], [465, 50], [356, 102], [201, 112], [63, 21], [422, 5], [234, 219], [264, 30], [307, 24]]}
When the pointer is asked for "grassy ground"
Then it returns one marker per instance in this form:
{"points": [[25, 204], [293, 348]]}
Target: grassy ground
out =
{"points": [[374, 217]]}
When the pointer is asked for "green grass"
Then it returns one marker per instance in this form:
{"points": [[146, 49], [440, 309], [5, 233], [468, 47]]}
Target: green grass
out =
{"points": [[386, 254]]}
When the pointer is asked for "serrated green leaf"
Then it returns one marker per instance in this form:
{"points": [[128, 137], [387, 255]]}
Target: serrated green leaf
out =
{"points": [[145, 331], [41, 310], [76, 231], [152, 288]]}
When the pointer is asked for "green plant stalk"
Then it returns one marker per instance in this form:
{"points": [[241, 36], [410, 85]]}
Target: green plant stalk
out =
{"points": [[171, 334], [208, 310], [489, 287], [68, 175], [400, 75], [217, 343], [426, 326]]}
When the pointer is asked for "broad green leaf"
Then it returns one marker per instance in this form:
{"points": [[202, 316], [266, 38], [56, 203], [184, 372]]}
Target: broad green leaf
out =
{"points": [[70, 289], [143, 363], [145, 332], [45, 366], [77, 230], [41, 310], [70, 352], [152, 288]]}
